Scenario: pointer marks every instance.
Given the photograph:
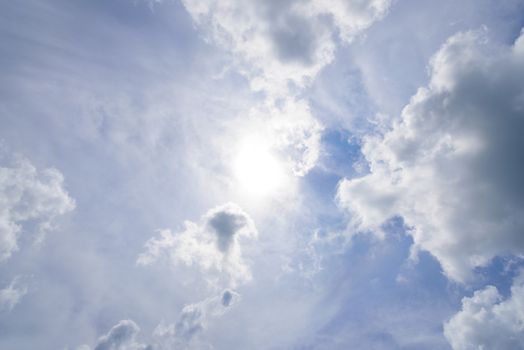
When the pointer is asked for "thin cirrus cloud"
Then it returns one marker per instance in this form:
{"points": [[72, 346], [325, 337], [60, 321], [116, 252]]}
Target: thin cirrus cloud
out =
{"points": [[451, 166]]}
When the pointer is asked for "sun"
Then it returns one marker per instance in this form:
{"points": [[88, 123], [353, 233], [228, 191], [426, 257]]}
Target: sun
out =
{"points": [[257, 168]]}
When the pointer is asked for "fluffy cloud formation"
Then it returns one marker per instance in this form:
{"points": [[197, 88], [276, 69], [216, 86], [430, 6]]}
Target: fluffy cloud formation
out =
{"points": [[28, 196], [193, 320], [278, 42], [121, 337], [11, 295], [452, 166], [281, 46], [486, 321], [180, 335], [213, 245]]}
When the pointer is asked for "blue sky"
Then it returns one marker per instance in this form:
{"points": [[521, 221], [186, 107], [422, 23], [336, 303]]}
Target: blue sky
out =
{"points": [[226, 174]]}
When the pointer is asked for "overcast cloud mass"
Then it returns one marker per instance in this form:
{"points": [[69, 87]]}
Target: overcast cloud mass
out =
{"points": [[261, 174]]}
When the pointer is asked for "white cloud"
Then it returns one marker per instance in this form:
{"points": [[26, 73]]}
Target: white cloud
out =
{"points": [[278, 42], [487, 321], [121, 337], [193, 320], [11, 295], [292, 131], [213, 245], [28, 196], [452, 165], [281, 46]]}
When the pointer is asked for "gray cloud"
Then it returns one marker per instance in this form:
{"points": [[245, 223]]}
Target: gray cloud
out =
{"points": [[226, 222], [452, 165], [227, 297], [487, 321]]}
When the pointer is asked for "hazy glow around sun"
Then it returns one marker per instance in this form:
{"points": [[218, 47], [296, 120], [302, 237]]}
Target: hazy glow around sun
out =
{"points": [[256, 168]]}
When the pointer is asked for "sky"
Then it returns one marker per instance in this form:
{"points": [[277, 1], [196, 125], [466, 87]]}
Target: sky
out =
{"points": [[261, 174]]}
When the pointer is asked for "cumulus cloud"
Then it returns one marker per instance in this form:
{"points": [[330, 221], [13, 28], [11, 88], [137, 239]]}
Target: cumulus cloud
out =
{"points": [[11, 295], [28, 196], [452, 166], [487, 321], [213, 245], [281, 46], [283, 41], [121, 337]]}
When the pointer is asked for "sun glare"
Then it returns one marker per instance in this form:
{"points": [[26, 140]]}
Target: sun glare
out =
{"points": [[258, 171]]}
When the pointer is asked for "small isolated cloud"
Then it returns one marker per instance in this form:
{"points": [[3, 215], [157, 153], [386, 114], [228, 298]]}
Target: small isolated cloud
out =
{"points": [[11, 295], [452, 166], [487, 321], [28, 196], [121, 337], [213, 245], [193, 320]]}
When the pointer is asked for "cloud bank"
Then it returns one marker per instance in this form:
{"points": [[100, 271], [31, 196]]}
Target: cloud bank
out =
{"points": [[452, 166]]}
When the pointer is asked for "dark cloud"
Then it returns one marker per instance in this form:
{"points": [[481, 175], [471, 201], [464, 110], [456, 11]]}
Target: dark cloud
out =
{"points": [[226, 222], [227, 296]]}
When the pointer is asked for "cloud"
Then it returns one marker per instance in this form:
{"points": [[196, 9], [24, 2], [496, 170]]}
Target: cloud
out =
{"points": [[280, 47], [213, 245], [452, 166], [193, 320], [28, 196], [11, 295], [121, 337], [283, 41], [487, 321]]}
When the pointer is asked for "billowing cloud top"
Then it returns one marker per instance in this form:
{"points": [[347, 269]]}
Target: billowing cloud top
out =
{"points": [[452, 165], [487, 321], [283, 41]]}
